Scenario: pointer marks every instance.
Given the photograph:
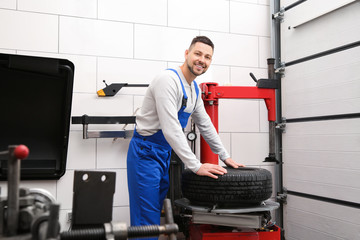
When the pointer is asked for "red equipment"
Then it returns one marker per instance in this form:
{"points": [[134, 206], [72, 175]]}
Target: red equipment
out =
{"points": [[210, 232], [211, 93]]}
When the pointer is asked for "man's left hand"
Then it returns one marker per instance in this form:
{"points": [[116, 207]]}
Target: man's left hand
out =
{"points": [[231, 163]]}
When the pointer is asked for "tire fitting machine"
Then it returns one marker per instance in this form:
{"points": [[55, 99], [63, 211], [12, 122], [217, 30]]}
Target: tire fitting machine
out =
{"points": [[244, 222]]}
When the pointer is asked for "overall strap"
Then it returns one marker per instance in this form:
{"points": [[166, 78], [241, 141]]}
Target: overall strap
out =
{"points": [[184, 101], [196, 89], [197, 94]]}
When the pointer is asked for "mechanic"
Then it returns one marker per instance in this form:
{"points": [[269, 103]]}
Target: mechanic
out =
{"points": [[168, 103]]}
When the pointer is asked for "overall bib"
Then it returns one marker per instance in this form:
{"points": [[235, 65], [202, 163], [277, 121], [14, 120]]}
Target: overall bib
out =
{"points": [[148, 163]]}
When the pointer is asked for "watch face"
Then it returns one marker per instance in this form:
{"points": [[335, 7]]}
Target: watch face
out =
{"points": [[191, 136]]}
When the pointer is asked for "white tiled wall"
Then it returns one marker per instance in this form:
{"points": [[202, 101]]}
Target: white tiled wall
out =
{"points": [[249, 19], [95, 37], [9, 4], [152, 12], [78, 8], [130, 41], [235, 49], [161, 43], [212, 15], [26, 31]]}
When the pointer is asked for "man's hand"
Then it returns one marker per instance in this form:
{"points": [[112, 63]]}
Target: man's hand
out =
{"points": [[207, 169], [231, 163]]}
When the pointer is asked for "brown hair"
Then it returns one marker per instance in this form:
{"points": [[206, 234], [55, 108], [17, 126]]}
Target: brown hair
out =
{"points": [[202, 39]]}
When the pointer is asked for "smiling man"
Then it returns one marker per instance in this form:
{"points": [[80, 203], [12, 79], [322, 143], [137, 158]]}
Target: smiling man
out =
{"points": [[171, 98]]}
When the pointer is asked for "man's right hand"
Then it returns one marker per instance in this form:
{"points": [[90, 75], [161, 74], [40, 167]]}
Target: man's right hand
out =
{"points": [[207, 169]]}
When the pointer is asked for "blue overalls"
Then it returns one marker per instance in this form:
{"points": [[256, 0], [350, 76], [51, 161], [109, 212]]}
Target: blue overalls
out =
{"points": [[148, 162]]}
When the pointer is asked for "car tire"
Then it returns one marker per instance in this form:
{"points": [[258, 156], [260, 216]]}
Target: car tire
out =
{"points": [[242, 186]]}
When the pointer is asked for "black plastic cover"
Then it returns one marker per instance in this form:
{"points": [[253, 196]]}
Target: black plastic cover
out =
{"points": [[35, 103], [92, 198]]}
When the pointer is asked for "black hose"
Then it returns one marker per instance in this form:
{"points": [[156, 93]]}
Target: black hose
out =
{"points": [[84, 234]]}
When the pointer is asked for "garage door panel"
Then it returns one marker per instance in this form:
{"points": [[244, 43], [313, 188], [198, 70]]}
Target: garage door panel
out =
{"points": [[324, 109], [337, 28], [294, 229], [325, 71], [334, 127], [320, 102], [327, 210], [311, 219], [324, 190], [342, 143], [326, 94], [322, 158], [328, 136], [322, 224], [325, 86], [323, 184], [331, 159], [337, 178]]}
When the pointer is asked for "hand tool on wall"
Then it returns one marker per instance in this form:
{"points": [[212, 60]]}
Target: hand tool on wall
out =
{"points": [[112, 89]]}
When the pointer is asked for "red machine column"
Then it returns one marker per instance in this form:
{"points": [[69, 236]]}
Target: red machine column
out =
{"points": [[211, 106]]}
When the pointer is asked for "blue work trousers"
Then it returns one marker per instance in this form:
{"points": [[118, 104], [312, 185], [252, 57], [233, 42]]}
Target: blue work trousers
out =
{"points": [[148, 164]]}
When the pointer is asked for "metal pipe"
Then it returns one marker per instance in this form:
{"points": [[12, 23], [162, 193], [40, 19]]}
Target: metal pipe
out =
{"points": [[324, 118], [169, 219], [272, 136], [53, 227], [85, 131], [271, 75], [85, 119], [276, 54], [13, 176], [294, 4], [271, 69]]}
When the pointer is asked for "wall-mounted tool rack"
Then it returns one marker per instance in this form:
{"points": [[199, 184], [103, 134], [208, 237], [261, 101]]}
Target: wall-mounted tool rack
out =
{"points": [[85, 120], [109, 91]]}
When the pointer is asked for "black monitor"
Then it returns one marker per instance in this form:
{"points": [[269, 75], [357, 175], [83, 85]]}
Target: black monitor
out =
{"points": [[35, 106]]}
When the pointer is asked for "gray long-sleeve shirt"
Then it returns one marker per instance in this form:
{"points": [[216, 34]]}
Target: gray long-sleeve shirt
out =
{"points": [[159, 111]]}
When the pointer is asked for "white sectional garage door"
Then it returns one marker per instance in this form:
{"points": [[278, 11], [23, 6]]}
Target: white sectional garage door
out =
{"points": [[320, 52]]}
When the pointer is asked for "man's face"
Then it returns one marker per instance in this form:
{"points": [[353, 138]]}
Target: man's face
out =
{"points": [[198, 58]]}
